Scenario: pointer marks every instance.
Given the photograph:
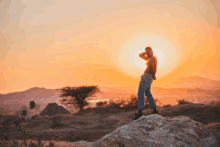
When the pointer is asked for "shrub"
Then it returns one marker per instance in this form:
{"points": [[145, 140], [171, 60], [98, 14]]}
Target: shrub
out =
{"points": [[72, 137], [17, 121], [214, 103], [24, 112], [34, 116], [116, 104], [132, 103], [56, 122], [101, 103], [183, 102], [1, 110], [167, 105]]}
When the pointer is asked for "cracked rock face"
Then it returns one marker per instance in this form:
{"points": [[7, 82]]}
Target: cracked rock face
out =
{"points": [[159, 131]]}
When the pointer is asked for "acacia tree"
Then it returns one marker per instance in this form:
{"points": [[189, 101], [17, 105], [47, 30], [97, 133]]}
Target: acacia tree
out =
{"points": [[76, 96]]}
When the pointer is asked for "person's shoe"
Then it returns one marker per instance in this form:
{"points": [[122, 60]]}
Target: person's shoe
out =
{"points": [[154, 111], [137, 116]]}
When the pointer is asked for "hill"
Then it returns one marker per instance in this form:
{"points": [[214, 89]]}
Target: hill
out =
{"points": [[183, 88], [197, 82]]}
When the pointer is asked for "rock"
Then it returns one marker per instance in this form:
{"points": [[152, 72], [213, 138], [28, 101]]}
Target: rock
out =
{"points": [[83, 143], [27, 117], [159, 131]]}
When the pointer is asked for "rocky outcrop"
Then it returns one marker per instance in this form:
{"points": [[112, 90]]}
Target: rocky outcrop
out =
{"points": [[158, 131]]}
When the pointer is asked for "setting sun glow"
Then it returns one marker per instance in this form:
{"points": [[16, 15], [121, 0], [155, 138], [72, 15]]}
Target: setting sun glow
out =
{"points": [[162, 48], [99, 43]]}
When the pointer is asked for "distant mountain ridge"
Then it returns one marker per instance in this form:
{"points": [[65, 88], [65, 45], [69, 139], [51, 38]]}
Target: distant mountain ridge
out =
{"points": [[43, 96], [197, 82], [35, 88], [183, 87]]}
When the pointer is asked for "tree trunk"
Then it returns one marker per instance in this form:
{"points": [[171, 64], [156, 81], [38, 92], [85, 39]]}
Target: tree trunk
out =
{"points": [[81, 108]]}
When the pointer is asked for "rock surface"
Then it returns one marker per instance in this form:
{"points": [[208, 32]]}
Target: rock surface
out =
{"points": [[159, 131]]}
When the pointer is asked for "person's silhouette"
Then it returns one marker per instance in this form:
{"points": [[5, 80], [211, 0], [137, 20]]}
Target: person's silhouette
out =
{"points": [[145, 82]]}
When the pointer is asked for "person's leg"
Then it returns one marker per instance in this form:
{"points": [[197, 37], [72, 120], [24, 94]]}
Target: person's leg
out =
{"points": [[146, 80], [141, 89], [150, 98]]}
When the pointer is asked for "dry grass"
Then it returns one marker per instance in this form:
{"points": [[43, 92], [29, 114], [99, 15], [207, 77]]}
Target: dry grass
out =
{"points": [[93, 123]]}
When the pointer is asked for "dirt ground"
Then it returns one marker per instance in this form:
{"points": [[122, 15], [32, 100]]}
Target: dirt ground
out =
{"points": [[93, 123]]}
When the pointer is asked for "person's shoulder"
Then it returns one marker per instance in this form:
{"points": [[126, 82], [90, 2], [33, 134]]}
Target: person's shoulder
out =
{"points": [[154, 58]]}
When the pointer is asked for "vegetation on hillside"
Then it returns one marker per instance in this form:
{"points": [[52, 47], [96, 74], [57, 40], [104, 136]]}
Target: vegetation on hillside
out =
{"points": [[77, 97]]}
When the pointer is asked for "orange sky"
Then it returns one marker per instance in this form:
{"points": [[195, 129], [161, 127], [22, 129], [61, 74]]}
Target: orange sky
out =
{"points": [[54, 44]]}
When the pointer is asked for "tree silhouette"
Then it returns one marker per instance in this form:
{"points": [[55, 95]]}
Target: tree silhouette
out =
{"points": [[76, 96]]}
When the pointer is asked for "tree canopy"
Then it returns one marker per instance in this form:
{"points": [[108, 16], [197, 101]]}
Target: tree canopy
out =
{"points": [[76, 96]]}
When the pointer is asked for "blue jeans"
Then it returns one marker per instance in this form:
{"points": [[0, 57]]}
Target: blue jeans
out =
{"points": [[144, 88]]}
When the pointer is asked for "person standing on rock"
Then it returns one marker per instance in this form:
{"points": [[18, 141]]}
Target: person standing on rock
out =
{"points": [[145, 83]]}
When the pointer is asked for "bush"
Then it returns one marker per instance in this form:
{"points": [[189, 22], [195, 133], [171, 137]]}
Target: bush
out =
{"points": [[131, 104], [116, 104], [24, 112], [34, 116], [1, 110], [6, 129], [101, 103], [183, 102], [56, 122], [167, 105], [72, 137], [214, 103]]}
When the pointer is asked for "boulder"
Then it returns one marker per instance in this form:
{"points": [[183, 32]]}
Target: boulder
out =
{"points": [[54, 109], [158, 131], [27, 117]]}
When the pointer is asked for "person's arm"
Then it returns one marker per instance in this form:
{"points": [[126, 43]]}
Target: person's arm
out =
{"points": [[154, 67], [142, 55]]}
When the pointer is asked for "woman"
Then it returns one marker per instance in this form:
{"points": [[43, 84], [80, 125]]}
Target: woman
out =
{"points": [[145, 83]]}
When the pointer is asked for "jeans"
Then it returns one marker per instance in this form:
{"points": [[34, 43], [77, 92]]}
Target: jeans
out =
{"points": [[144, 88]]}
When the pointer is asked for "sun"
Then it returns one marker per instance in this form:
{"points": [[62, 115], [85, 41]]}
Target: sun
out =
{"points": [[162, 49]]}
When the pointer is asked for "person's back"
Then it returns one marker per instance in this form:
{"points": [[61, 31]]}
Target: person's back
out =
{"points": [[151, 65]]}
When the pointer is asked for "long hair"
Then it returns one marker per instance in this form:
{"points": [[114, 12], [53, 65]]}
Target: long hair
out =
{"points": [[151, 51]]}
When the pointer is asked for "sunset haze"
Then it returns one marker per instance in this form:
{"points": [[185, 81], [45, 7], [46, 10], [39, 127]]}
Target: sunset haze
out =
{"points": [[55, 44]]}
